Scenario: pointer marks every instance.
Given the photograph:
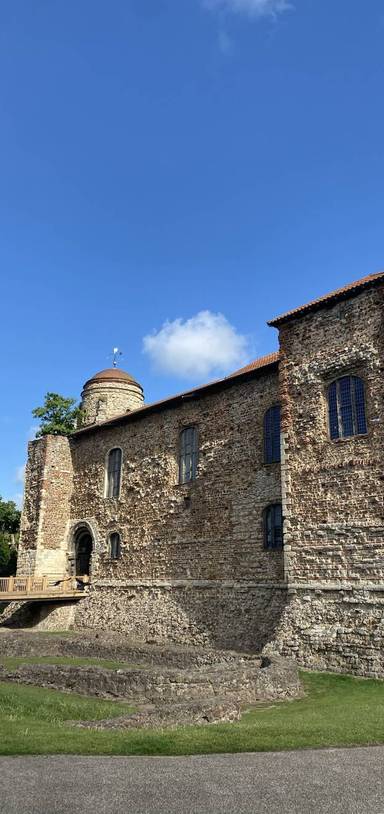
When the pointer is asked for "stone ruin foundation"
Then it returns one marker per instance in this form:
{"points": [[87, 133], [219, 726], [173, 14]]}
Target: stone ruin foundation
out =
{"points": [[167, 686]]}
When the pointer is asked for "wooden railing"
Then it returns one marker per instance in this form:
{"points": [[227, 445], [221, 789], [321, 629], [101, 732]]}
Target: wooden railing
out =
{"points": [[40, 586]]}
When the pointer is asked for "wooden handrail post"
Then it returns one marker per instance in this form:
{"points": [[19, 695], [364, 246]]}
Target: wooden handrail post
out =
{"points": [[44, 582], [11, 584], [28, 586]]}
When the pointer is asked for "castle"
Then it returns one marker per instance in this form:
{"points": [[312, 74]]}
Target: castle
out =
{"points": [[244, 512]]}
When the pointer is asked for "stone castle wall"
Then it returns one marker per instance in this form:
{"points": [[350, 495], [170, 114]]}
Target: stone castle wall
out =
{"points": [[211, 528], [46, 511], [333, 490], [340, 630], [193, 567], [239, 616]]}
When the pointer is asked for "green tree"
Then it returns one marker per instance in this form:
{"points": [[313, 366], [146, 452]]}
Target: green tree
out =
{"points": [[9, 530], [9, 517], [8, 558], [58, 415]]}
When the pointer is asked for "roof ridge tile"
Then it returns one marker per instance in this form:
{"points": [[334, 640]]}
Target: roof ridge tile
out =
{"points": [[338, 293]]}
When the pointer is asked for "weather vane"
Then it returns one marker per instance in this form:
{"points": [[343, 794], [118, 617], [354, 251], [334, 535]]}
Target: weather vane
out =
{"points": [[115, 355]]}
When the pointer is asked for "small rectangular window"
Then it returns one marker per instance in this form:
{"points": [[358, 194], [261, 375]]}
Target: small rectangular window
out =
{"points": [[346, 412], [188, 454], [273, 526], [272, 435], [346, 408], [361, 421], [333, 416], [114, 545], [112, 487]]}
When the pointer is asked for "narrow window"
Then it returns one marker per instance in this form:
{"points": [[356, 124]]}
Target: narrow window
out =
{"points": [[273, 526], [188, 454], [114, 545], [112, 486], [346, 407], [272, 435]]}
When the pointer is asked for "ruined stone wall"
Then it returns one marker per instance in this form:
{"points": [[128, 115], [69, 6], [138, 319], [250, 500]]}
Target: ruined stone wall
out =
{"points": [[340, 630], [30, 518], [208, 534], [333, 490], [48, 487]]}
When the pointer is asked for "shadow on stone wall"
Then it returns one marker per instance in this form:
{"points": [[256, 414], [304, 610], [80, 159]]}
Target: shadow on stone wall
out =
{"points": [[241, 618], [40, 615], [238, 618]]}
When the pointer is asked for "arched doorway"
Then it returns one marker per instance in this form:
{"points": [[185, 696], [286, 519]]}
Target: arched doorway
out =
{"points": [[83, 552]]}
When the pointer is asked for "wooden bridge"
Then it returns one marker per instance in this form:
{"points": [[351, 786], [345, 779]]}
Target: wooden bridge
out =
{"points": [[42, 588]]}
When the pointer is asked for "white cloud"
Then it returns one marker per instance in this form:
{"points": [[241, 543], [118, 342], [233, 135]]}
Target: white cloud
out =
{"points": [[251, 8], [197, 347]]}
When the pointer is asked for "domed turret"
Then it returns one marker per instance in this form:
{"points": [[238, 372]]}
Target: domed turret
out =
{"points": [[108, 394]]}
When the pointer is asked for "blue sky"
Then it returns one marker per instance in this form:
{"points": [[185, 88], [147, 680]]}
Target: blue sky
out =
{"points": [[171, 161]]}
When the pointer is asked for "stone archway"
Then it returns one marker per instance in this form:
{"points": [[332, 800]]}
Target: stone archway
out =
{"points": [[83, 551]]}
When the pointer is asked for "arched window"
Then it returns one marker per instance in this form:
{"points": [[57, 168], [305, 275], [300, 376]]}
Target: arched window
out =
{"points": [[188, 454], [114, 545], [273, 526], [346, 406], [272, 435], [113, 474]]}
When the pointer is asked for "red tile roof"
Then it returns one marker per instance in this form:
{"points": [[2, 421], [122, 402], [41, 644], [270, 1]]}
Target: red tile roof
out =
{"points": [[111, 374], [339, 294], [264, 361]]}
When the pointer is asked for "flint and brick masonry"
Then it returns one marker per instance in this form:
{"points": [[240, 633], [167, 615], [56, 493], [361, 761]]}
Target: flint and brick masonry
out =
{"points": [[184, 544]]}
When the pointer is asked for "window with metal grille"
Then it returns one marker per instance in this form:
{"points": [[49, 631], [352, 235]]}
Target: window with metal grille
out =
{"points": [[112, 484], [346, 407], [272, 435], [189, 454], [273, 526], [114, 545]]}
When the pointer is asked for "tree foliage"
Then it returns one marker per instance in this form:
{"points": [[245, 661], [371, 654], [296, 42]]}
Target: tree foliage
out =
{"points": [[58, 415], [9, 529], [9, 517], [8, 558]]}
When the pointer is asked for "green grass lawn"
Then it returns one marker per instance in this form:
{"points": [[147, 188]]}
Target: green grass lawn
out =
{"points": [[12, 662], [337, 710]]}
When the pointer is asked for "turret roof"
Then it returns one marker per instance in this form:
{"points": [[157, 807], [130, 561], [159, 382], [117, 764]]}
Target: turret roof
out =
{"points": [[111, 374]]}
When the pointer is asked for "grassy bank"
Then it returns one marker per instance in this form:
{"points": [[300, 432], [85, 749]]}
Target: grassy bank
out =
{"points": [[337, 710]]}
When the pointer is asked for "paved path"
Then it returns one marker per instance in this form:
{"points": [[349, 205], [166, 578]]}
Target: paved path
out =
{"points": [[339, 781]]}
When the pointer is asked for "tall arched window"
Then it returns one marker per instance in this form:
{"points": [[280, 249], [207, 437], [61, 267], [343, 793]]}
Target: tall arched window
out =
{"points": [[346, 406], [113, 474], [272, 435], [189, 454], [273, 526], [114, 545]]}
